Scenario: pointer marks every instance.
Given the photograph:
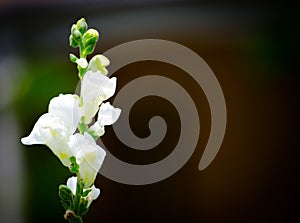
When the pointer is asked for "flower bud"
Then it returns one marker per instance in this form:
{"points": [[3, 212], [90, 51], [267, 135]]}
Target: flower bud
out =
{"points": [[73, 28], [89, 40], [81, 25], [82, 62], [73, 58], [77, 35], [73, 43]]}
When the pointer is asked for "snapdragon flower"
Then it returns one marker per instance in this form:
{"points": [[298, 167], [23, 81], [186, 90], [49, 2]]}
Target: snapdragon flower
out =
{"points": [[107, 115], [55, 127], [89, 157], [95, 88]]}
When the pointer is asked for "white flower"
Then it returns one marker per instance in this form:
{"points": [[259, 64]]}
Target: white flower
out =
{"points": [[107, 115], [98, 63], [92, 195], [55, 127], [89, 156], [95, 88], [51, 131]]}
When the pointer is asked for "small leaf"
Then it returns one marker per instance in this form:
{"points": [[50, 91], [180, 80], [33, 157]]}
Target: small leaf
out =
{"points": [[65, 193], [65, 205], [83, 207]]}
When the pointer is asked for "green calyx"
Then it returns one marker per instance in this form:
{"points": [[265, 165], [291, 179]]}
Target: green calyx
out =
{"points": [[74, 167]]}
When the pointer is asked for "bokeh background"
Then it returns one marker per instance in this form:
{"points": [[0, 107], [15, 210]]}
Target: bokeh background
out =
{"points": [[251, 47]]}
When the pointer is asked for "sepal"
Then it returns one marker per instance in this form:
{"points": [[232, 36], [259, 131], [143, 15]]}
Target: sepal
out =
{"points": [[65, 193]]}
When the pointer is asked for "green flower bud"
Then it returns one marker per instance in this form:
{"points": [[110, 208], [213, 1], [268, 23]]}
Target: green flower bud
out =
{"points": [[73, 28], [73, 58], [90, 37], [77, 35], [89, 40], [73, 43], [81, 25]]}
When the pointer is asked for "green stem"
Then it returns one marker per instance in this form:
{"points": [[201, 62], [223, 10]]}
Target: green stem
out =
{"points": [[81, 49], [77, 198], [82, 127], [76, 207], [75, 220]]}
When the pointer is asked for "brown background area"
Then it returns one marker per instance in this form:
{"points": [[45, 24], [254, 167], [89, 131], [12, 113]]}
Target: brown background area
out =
{"points": [[252, 51]]}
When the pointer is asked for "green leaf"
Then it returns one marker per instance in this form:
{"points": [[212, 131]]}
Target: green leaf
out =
{"points": [[65, 193], [65, 204], [83, 207]]}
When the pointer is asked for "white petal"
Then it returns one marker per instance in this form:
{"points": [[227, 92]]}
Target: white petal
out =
{"points": [[93, 194], [66, 107], [72, 184], [61, 149], [77, 142], [97, 129], [98, 63], [46, 127], [108, 115], [82, 62], [109, 87]]}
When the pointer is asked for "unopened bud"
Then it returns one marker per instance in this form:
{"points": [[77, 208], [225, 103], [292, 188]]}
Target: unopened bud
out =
{"points": [[74, 43], [89, 40], [81, 25]]}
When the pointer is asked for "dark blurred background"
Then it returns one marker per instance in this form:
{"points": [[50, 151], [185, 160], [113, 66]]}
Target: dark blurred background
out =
{"points": [[252, 48]]}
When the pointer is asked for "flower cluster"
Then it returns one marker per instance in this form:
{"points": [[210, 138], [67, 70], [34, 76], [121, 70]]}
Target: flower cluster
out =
{"points": [[67, 112]]}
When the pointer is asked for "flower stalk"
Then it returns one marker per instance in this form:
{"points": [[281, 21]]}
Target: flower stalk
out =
{"points": [[70, 112]]}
